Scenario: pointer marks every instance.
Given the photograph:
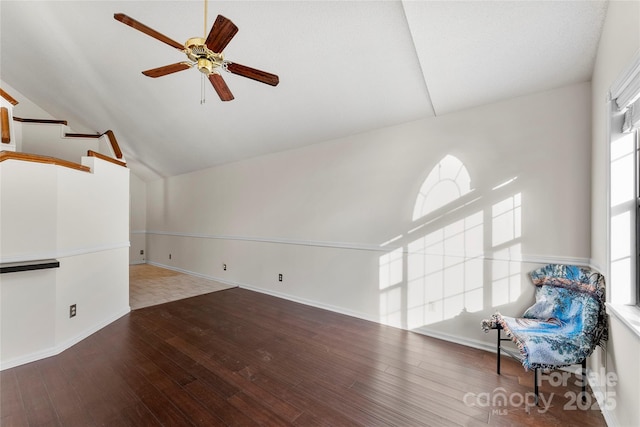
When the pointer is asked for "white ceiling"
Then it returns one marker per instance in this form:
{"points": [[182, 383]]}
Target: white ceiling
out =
{"points": [[345, 67]]}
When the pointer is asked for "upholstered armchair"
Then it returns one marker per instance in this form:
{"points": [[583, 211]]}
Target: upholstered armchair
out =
{"points": [[563, 327]]}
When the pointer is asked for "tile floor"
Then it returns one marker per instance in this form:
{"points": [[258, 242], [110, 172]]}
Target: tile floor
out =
{"points": [[151, 285]]}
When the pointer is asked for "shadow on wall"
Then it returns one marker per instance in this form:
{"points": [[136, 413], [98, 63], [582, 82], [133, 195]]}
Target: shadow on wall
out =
{"points": [[463, 254]]}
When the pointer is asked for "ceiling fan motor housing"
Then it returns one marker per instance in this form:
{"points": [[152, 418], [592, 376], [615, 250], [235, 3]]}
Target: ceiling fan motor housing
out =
{"points": [[206, 59]]}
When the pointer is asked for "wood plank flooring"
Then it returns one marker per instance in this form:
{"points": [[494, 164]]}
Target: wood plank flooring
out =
{"points": [[241, 358]]}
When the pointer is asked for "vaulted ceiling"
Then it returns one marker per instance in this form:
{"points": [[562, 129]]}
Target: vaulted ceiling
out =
{"points": [[345, 67]]}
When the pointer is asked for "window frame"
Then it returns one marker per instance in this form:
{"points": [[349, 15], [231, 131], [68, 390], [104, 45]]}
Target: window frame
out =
{"points": [[637, 219]]}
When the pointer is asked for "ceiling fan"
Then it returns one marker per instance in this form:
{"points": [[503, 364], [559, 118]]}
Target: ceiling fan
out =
{"points": [[205, 54]]}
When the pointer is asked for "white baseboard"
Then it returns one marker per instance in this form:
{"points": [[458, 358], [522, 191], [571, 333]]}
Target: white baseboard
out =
{"points": [[599, 392], [193, 273], [310, 303], [288, 297], [480, 345], [60, 347]]}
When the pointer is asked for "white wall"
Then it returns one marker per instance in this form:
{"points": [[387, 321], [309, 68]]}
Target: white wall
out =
{"points": [[79, 218], [49, 140], [618, 44], [320, 214], [137, 220], [28, 312]]}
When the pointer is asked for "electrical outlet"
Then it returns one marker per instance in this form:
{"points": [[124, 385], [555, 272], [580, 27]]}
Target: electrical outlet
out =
{"points": [[72, 310], [141, 251], [224, 267], [280, 277]]}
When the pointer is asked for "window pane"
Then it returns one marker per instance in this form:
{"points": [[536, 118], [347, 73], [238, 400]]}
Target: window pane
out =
{"points": [[621, 231], [622, 183]]}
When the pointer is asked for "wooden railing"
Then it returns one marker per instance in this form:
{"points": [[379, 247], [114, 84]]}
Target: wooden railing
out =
{"points": [[12, 155], [92, 153], [110, 135], [4, 113], [114, 144], [6, 138], [43, 121], [82, 135], [8, 97], [6, 130]]}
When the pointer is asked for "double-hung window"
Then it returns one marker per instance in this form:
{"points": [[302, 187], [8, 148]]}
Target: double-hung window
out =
{"points": [[624, 207]]}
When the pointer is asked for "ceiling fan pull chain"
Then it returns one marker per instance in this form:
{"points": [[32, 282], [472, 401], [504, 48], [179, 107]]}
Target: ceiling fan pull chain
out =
{"points": [[202, 91]]}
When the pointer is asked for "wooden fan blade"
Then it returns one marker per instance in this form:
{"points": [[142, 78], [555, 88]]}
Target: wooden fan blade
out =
{"points": [[221, 34], [252, 73], [167, 69], [127, 20], [220, 86]]}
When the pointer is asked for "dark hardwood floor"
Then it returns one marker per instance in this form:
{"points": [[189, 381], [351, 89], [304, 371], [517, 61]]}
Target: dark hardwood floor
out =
{"points": [[242, 358]]}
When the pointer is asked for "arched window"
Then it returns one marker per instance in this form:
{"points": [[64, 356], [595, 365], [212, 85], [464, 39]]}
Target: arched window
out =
{"points": [[447, 181]]}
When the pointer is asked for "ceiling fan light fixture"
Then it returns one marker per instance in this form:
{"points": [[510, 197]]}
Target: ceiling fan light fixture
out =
{"points": [[205, 66]]}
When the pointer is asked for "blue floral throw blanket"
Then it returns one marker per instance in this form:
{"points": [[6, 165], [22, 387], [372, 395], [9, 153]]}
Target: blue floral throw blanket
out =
{"points": [[565, 324]]}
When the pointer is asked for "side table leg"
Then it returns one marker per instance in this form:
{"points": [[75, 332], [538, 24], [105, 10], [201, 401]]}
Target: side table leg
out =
{"points": [[498, 353], [535, 385]]}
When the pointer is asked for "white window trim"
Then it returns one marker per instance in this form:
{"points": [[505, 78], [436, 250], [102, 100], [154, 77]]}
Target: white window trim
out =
{"points": [[627, 88], [629, 315]]}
